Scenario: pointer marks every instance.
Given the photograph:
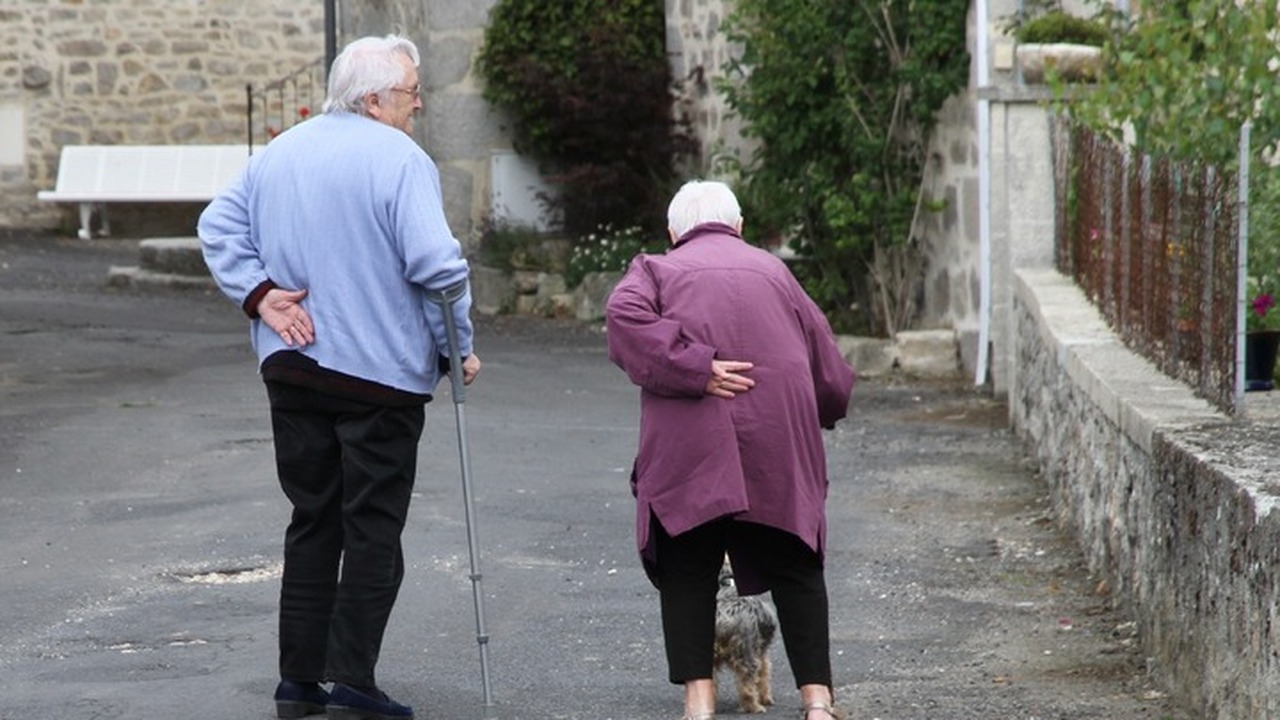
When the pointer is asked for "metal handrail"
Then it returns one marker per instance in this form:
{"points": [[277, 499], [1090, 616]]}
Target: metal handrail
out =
{"points": [[290, 99]]}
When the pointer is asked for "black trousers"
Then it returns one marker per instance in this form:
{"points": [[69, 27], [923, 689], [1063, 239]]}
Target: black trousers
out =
{"points": [[689, 571], [348, 469]]}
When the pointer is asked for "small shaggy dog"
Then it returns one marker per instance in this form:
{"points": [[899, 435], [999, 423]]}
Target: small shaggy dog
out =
{"points": [[745, 627]]}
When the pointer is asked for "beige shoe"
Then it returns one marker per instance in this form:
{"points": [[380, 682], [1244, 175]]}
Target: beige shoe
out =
{"points": [[833, 712]]}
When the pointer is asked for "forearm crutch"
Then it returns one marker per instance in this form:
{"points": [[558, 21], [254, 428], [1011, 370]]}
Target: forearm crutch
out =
{"points": [[446, 299]]}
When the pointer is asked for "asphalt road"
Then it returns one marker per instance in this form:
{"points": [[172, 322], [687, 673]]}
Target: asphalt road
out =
{"points": [[141, 527]]}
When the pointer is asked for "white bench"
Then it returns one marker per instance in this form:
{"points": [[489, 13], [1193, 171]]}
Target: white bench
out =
{"points": [[94, 175]]}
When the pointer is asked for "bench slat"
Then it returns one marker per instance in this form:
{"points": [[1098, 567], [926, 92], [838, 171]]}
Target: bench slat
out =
{"points": [[96, 174], [146, 173]]}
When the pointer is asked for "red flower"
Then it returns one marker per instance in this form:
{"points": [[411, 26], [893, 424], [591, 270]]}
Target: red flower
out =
{"points": [[303, 112], [1263, 303]]}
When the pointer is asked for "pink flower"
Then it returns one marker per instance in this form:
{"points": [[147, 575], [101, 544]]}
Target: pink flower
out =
{"points": [[1263, 303]]}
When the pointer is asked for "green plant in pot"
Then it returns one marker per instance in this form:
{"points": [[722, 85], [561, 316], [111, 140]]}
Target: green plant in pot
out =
{"points": [[1054, 44], [1059, 26], [1262, 316], [1262, 341]]}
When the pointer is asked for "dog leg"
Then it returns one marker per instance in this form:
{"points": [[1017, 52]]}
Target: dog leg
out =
{"points": [[763, 683], [748, 690]]}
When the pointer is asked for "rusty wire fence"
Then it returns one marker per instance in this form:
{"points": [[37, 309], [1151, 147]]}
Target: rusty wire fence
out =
{"points": [[1153, 244]]}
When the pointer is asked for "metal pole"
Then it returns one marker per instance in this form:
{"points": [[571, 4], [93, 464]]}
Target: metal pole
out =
{"points": [[248, 103], [446, 299], [1242, 266], [330, 35]]}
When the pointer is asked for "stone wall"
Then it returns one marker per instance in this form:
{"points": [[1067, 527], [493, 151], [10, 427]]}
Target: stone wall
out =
{"points": [[136, 72], [457, 127], [1021, 202], [174, 72], [1173, 503], [699, 53], [950, 287]]}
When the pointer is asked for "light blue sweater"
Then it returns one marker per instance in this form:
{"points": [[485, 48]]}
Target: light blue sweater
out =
{"points": [[349, 209]]}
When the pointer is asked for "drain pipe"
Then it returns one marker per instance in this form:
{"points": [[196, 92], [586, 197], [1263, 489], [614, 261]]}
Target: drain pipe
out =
{"points": [[1242, 265], [984, 200], [330, 35]]}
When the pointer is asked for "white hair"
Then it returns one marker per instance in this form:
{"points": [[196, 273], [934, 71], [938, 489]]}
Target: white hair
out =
{"points": [[367, 65], [702, 201]]}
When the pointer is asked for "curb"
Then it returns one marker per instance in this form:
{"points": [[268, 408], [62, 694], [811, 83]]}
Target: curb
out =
{"points": [[170, 262]]}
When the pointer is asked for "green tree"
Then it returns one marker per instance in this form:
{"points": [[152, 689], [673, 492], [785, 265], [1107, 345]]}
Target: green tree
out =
{"points": [[588, 91], [842, 96], [1183, 76]]}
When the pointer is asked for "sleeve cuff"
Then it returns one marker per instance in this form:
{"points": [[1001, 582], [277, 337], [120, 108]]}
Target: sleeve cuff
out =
{"points": [[444, 365], [250, 305]]}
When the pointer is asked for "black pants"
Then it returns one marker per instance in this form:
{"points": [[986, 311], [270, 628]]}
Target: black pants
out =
{"points": [[348, 469], [689, 567]]}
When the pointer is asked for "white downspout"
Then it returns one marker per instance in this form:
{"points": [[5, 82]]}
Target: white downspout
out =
{"points": [[984, 200], [1242, 267]]}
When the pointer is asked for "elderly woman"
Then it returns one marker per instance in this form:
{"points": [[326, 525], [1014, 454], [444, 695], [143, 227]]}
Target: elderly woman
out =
{"points": [[739, 372]]}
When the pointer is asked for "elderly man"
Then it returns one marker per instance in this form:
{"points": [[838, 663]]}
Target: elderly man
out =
{"points": [[333, 242]]}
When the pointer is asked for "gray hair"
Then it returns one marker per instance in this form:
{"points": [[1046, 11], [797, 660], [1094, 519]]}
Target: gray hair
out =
{"points": [[367, 65], [702, 201]]}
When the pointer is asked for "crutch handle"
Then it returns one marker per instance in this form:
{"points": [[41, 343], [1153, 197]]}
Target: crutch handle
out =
{"points": [[445, 299]]}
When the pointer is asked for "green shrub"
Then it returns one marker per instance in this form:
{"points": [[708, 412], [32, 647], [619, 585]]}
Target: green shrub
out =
{"points": [[609, 250], [1061, 27], [1264, 235], [520, 247], [1182, 78], [587, 90], [843, 97]]}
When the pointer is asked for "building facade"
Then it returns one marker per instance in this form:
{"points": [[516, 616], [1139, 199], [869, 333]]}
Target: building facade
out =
{"points": [[175, 72], [139, 72]]}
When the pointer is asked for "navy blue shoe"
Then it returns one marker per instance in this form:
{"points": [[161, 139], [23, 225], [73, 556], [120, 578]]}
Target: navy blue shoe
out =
{"points": [[296, 699], [347, 703]]}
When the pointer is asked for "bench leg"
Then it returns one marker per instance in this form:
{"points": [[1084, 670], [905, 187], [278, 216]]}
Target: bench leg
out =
{"points": [[86, 215], [86, 220]]}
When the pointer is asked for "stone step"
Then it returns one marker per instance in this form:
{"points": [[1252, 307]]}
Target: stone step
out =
{"points": [[139, 278], [914, 353], [173, 255], [170, 262]]}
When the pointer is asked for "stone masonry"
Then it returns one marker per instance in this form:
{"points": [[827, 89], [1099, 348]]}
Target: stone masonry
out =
{"points": [[132, 72], [1174, 503]]}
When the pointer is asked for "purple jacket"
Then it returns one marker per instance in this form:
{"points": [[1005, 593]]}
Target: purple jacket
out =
{"points": [[759, 456]]}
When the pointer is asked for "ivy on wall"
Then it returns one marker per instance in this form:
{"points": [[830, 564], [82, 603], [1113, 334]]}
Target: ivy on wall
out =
{"points": [[842, 97], [587, 89]]}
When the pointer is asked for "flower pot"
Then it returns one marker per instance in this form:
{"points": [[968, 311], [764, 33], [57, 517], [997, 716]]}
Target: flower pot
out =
{"points": [[1260, 348], [1072, 62]]}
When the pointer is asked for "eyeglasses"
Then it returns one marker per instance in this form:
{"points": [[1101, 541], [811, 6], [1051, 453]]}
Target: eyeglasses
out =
{"points": [[414, 92]]}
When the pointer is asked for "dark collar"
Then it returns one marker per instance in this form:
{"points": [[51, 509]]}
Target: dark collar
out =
{"points": [[709, 228]]}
